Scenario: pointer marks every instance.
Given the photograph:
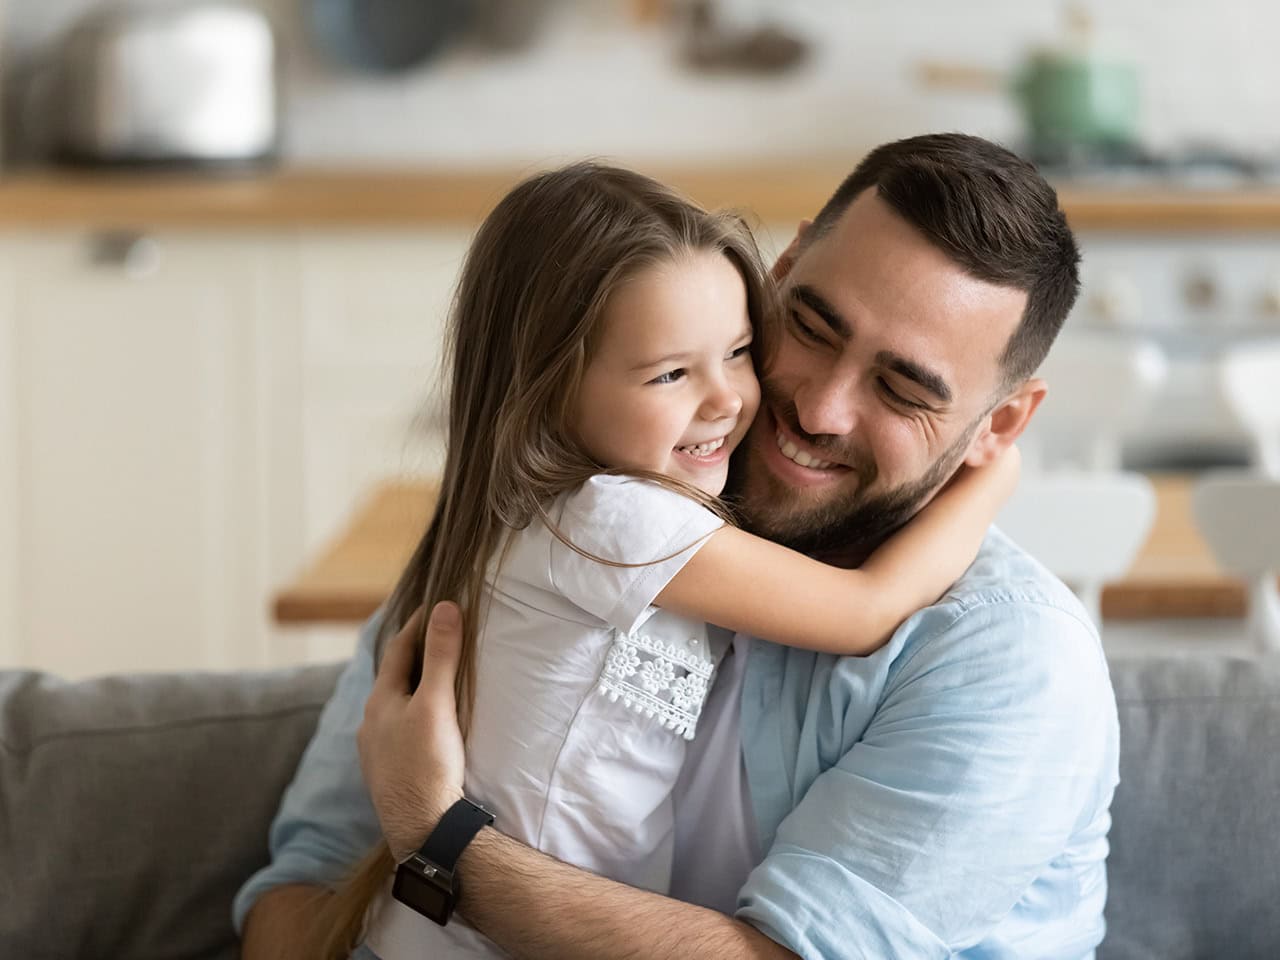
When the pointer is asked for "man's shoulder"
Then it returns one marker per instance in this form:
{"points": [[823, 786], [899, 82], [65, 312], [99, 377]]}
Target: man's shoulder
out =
{"points": [[1006, 577], [1007, 622], [1007, 613]]}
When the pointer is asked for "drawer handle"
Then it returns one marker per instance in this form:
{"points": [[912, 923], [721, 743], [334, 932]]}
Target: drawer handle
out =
{"points": [[137, 255]]}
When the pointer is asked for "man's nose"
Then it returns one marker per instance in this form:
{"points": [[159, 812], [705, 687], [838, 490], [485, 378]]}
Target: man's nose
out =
{"points": [[826, 407]]}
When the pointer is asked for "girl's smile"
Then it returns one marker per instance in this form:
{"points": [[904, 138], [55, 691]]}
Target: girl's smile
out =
{"points": [[704, 455]]}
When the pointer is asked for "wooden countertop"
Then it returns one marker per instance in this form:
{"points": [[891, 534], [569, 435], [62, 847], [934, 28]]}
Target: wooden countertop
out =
{"points": [[411, 198], [1173, 576]]}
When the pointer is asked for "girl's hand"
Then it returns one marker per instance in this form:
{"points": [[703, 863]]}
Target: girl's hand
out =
{"points": [[411, 750], [997, 480], [995, 483], [917, 565]]}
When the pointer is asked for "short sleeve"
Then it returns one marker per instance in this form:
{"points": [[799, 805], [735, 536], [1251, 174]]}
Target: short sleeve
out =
{"points": [[994, 744], [645, 531]]}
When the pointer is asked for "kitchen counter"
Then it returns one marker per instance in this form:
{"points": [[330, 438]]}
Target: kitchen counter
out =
{"points": [[389, 198], [1174, 574]]}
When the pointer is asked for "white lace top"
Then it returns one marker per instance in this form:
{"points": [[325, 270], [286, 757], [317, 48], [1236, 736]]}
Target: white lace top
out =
{"points": [[586, 696]]}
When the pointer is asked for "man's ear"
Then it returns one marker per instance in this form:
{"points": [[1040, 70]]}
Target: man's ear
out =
{"points": [[1006, 422], [787, 259]]}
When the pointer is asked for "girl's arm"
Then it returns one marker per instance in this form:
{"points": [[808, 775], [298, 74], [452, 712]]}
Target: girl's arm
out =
{"points": [[752, 585]]}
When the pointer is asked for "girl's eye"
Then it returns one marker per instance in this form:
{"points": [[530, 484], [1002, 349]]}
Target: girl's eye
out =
{"points": [[740, 351], [806, 331], [671, 376]]}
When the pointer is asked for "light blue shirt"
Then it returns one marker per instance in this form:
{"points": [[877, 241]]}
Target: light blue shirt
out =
{"points": [[945, 796]]}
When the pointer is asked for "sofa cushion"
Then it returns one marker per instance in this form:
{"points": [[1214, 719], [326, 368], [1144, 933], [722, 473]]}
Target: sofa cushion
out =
{"points": [[132, 808], [1194, 869], [155, 794]]}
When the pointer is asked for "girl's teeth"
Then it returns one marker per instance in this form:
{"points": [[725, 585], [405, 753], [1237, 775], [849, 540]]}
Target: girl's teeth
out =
{"points": [[703, 449], [795, 454]]}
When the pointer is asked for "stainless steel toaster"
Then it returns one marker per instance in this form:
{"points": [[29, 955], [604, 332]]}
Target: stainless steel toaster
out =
{"points": [[185, 83]]}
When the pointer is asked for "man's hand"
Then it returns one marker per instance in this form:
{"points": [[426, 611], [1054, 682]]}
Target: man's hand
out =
{"points": [[532, 905], [411, 750]]}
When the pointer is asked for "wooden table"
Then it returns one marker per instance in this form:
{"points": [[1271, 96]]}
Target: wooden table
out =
{"points": [[1173, 576]]}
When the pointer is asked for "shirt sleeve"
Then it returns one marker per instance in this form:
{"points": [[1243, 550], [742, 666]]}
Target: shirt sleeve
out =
{"points": [[650, 530], [326, 821], [992, 745]]}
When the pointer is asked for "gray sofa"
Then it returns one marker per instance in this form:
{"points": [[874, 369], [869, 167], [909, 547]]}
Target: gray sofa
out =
{"points": [[132, 807]]}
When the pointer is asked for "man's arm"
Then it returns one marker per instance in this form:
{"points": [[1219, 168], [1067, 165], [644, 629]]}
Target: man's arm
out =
{"points": [[980, 763], [325, 823], [538, 908], [530, 904]]}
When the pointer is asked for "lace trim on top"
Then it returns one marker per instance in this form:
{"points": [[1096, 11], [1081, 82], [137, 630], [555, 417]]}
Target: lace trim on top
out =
{"points": [[659, 680]]}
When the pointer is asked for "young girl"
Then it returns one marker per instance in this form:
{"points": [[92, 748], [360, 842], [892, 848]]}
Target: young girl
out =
{"points": [[601, 344]]}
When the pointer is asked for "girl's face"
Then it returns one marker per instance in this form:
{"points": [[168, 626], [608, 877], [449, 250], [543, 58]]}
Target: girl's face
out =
{"points": [[671, 387]]}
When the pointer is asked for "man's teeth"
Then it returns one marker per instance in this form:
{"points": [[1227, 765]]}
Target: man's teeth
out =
{"points": [[795, 454], [703, 449]]}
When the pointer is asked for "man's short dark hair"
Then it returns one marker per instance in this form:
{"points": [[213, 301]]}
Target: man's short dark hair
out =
{"points": [[992, 213]]}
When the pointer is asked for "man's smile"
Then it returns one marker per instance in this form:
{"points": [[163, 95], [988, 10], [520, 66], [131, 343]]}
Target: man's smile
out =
{"points": [[795, 462], [796, 455]]}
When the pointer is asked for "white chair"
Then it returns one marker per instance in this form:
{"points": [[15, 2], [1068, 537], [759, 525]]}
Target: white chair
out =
{"points": [[1075, 510], [1249, 381], [1239, 516], [1101, 386], [1086, 527]]}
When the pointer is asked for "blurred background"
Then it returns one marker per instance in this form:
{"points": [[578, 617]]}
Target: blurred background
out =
{"points": [[229, 233]]}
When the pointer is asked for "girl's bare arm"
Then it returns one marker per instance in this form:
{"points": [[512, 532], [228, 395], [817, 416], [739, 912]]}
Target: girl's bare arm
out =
{"points": [[752, 585]]}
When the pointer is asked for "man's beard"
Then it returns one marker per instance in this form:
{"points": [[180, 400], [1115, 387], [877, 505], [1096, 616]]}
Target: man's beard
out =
{"points": [[846, 529]]}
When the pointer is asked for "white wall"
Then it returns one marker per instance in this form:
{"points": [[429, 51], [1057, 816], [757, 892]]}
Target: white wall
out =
{"points": [[597, 84]]}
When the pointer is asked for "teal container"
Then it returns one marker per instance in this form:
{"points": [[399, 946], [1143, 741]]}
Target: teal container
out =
{"points": [[1076, 101]]}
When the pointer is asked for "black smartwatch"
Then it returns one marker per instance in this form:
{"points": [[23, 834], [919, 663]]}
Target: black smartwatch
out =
{"points": [[426, 881]]}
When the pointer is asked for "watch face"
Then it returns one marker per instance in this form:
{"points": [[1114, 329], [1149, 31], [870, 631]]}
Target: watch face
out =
{"points": [[427, 897]]}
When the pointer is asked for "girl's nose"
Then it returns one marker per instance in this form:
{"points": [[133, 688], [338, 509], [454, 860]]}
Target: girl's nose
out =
{"points": [[721, 402]]}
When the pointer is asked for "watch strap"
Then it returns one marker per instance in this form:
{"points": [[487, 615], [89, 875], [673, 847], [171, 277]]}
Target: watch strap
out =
{"points": [[458, 827]]}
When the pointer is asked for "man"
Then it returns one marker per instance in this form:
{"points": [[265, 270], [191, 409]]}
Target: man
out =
{"points": [[946, 795]]}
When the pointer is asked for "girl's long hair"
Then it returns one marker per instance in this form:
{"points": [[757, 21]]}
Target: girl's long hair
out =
{"points": [[525, 320]]}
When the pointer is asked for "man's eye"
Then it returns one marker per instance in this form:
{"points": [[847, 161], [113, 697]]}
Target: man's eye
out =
{"points": [[895, 397], [671, 376], [806, 331]]}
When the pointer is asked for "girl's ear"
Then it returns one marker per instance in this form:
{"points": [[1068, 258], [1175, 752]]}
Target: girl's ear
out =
{"points": [[1006, 422], [787, 259]]}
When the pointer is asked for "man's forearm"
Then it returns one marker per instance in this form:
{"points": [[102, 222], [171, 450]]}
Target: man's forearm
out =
{"points": [[280, 923], [537, 907]]}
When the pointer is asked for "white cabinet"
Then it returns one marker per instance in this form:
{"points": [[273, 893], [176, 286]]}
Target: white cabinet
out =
{"points": [[373, 308], [149, 451], [10, 546], [184, 421]]}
